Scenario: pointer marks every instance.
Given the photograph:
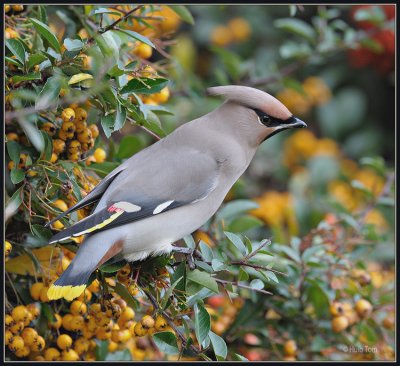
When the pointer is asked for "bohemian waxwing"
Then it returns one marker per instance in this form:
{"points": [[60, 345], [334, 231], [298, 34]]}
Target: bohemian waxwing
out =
{"points": [[172, 187]]}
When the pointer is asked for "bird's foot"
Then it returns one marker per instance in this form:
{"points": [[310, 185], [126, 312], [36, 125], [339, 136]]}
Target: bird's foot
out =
{"points": [[190, 255]]}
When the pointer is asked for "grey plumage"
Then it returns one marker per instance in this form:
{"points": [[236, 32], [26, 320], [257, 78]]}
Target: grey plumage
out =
{"points": [[175, 185]]}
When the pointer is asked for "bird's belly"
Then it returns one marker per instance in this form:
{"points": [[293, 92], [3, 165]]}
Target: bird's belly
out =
{"points": [[155, 235]]}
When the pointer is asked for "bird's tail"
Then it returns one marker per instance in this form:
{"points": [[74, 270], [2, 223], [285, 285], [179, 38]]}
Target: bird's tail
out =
{"points": [[70, 285]]}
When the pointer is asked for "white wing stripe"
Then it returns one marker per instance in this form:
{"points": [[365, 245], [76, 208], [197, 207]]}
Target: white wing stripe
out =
{"points": [[127, 206], [161, 207]]}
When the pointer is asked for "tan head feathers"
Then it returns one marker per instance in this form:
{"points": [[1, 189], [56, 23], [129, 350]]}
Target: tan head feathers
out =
{"points": [[252, 98]]}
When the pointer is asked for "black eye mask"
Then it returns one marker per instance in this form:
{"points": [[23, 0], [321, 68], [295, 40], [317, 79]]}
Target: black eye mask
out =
{"points": [[269, 121]]}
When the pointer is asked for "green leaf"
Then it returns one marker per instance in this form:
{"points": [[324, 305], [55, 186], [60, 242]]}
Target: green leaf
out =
{"points": [[319, 299], [244, 223], [41, 232], [168, 293], [14, 151], [137, 36], [183, 13], [257, 284], [102, 169], [235, 208], [144, 86], [26, 77], [237, 357], [42, 14], [17, 175], [124, 293], [218, 265], [204, 279], [49, 94], [104, 11], [35, 59], [237, 242], [109, 48], [219, 346], [189, 241], [202, 322], [17, 49], [48, 146], [120, 117], [166, 342], [112, 267], [107, 122], [129, 145], [73, 44], [12, 61], [123, 355], [46, 33], [296, 26], [101, 350], [206, 251], [13, 204]]}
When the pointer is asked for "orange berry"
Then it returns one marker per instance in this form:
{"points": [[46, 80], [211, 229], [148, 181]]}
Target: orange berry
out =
{"points": [[35, 290], [69, 355], [20, 313], [68, 127], [30, 336], [147, 322], [58, 146], [60, 204], [95, 130], [56, 322], [39, 345], [12, 136], [52, 354], [50, 128], [139, 330], [43, 294], [143, 50], [80, 115], [160, 323], [16, 343], [290, 348], [64, 341], [100, 155], [339, 323], [363, 308], [68, 115]]}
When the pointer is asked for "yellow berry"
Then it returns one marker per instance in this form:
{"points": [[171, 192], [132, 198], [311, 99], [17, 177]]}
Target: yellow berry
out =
{"points": [[336, 308], [85, 136], [16, 343], [8, 337], [363, 308], [147, 322], [74, 147], [23, 352], [103, 334], [7, 8], [64, 341], [11, 165], [12, 136], [221, 36], [56, 322], [49, 128], [388, 322], [69, 355], [127, 314], [162, 96], [63, 135], [81, 345], [39, 345], [58, 146], [68, 115], [80, 115], [148, 72], [77, 323], [58, 225], [139, 330], [11, 33], [95, 130], [17, 7], [30, 336], [33, 310], [86, 296], [100, 155], [80, 126], [74, 156], [68, 127], [20, 313], [8, 320], [7, 248], [52, 354], [160, 323], [54, 158], [112, 346], [43, 294], [17, 327], [240, 29], [290, 348], [35, 290], [94, 286], [339, 323], [143, 50], [61, 205]]}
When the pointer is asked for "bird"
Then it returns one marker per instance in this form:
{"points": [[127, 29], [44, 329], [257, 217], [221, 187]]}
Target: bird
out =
{"points": [[171, 188]]}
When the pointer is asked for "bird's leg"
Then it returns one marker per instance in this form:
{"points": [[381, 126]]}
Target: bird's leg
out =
{"points": [[190, 253]]}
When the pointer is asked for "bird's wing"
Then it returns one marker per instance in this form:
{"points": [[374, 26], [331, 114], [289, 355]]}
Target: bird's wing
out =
{"points": [[149, 190], [94, 195]]}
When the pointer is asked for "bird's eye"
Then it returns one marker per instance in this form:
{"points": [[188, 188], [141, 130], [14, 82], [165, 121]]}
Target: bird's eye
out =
{"points": [[265, 119]]}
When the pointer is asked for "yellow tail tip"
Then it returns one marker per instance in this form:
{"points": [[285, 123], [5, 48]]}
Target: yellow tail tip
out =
{"points": [[67, 292]]}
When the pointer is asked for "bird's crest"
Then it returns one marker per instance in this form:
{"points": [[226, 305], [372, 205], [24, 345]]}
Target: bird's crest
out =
{"points": [[252, 98]]}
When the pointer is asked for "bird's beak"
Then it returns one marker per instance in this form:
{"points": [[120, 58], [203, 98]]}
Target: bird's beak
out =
{"points": [[294, 122]]}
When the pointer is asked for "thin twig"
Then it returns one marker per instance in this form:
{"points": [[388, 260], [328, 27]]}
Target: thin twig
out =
{"points": [[256, 266]]}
